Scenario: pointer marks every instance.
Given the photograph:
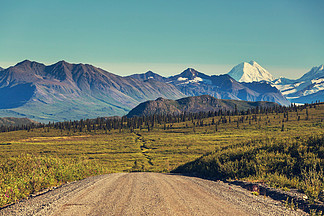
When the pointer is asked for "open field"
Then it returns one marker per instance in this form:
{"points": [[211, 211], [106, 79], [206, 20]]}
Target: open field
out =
{"points": [[162, 149]]}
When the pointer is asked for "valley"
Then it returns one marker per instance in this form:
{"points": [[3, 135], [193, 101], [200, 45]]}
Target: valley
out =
{"points": [[164, 147]]}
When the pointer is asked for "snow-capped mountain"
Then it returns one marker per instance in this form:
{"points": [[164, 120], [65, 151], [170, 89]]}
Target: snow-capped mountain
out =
{"points": [[193, 83], [314, 73], [250, 72], [306, 89]]}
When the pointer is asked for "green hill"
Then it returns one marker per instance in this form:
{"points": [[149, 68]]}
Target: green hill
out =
{"points": [[204, 103]]}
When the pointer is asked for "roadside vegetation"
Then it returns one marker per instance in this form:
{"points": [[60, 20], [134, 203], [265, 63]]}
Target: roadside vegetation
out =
{"points": [[27, 174], [280, 146], [295, 162]]}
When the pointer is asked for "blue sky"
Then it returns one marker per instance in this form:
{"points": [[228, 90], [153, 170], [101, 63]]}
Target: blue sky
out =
{"points": [[125, 37]]}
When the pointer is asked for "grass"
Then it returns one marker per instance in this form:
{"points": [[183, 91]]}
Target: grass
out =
{"points": [[159, 150], [27, 174]]}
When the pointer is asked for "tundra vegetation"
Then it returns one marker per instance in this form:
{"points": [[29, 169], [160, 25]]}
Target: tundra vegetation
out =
{"points": [[281, 146]]}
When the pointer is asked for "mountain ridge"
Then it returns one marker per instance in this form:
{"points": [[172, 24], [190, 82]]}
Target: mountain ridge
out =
{"points": [[148, 75], [194, 83], [65, 91], [314, 73], [306, 89]]}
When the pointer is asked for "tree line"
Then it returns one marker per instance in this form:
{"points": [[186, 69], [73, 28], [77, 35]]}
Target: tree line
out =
{"points": [[149, 122]]}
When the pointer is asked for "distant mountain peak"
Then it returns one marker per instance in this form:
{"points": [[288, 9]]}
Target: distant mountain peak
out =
{"points": [[189, 72], [321, 67], [148, 75], [28, 66], [189, 76], [314, 73], [62, 62], [318, 69], [28, 63], [249, 72]]}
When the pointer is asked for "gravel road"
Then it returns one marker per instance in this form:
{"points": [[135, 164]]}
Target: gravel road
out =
{"points": [[148, 194]]}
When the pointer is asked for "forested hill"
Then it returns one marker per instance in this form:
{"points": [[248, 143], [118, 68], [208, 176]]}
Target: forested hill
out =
{"points": [[204, 103]]}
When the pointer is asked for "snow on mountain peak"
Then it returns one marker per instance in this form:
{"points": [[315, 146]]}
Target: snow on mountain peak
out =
{"points": [[321, 67], [314, 73], [317, 69], [250, 72]]}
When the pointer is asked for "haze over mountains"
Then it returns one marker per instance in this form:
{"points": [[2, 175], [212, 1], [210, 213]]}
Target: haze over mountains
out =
{"points": [[64, 91]]}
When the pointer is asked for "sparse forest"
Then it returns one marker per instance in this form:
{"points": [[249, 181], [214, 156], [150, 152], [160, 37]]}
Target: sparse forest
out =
{"points": [[281, 146]]}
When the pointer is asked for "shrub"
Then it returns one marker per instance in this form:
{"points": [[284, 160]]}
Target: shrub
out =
{"points": [[27, 174], [282, 163]]}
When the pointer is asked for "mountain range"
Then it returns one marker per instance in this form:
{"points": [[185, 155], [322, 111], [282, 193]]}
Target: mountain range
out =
{"points": [[193, 83], [307, 89], [204, 103], [64, 91]]}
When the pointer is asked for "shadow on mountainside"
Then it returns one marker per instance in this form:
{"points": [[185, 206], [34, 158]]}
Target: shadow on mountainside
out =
{"points": [[16, 96]]}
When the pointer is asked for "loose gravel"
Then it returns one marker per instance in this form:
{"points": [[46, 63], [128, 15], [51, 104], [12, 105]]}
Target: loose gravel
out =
{"points": [[148, 194]]}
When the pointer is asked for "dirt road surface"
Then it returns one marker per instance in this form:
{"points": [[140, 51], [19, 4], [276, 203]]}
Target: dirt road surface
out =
{"points": [[148, 194]]}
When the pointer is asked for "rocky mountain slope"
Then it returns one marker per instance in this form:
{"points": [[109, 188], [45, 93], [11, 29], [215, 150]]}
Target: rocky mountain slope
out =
{"points": [[250, 72], [202, 103], [65, 91]]}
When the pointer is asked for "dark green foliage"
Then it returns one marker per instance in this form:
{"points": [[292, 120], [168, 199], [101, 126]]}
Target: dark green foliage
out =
{"points": [[293, 160]]}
